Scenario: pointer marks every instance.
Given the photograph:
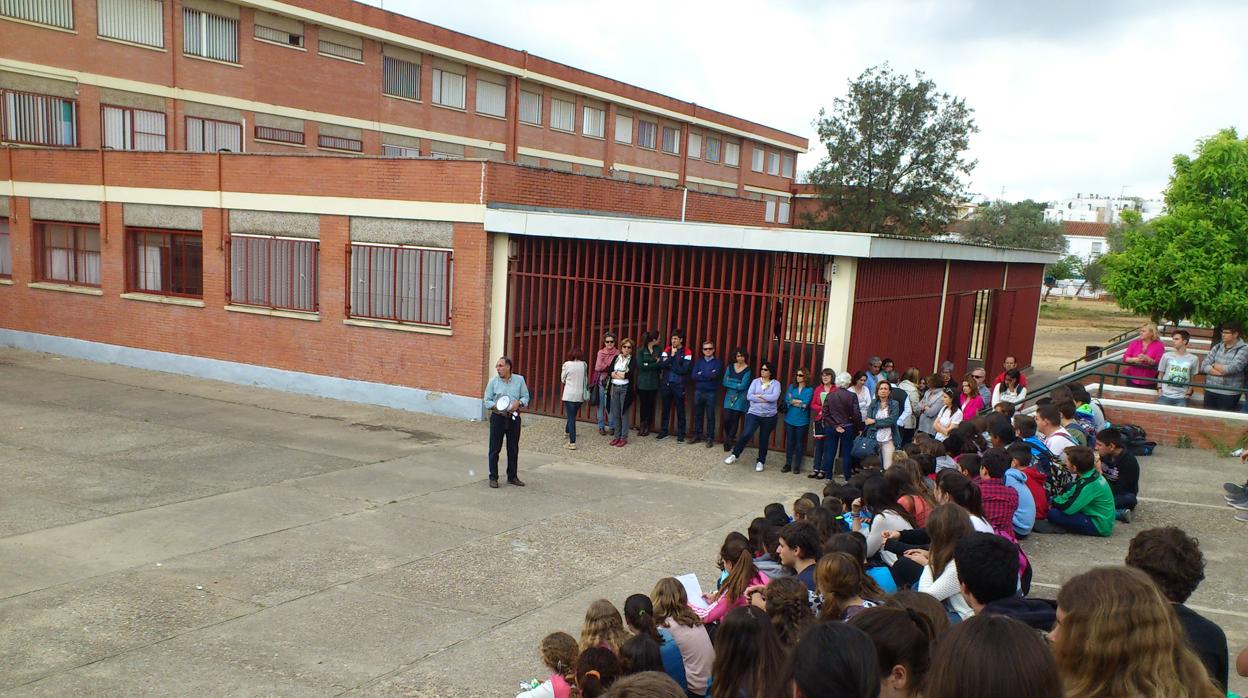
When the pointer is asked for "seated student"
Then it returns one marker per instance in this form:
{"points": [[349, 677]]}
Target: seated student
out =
{"points": [[908, 489], [799, 551], [835, 660], [1078, 432], [879, 580], [1087, 411], [993, 657], [801, 508], [1087, 506], [763, 538], [742, 574], [640, 653], [1000, 500], [719, 561], [1001, 433], [1174, 561], [924, 605], [775, 513], [842, 520], [603, 627], [596, 669], [639, 616], [1005, 408], [968, 464], [647, 684], [869, 467], [1120, 469], [947, 525], [1019, 479], [824, 521], [672, 612], [961, 490], [877, 508], [559, 652], [903, 643], [787, 603], [1043, 461], [748, 656], [988, 574], [843, 585]]}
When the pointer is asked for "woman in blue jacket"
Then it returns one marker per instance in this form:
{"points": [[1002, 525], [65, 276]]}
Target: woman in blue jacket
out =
{"points": [[737, 379], [881, 419], [796, 421]]}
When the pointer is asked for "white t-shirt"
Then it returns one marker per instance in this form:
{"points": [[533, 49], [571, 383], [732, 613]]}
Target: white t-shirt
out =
{"points": [[948, 419], [1177, 372], [1058, 442], [621, 365], [883, 434]]}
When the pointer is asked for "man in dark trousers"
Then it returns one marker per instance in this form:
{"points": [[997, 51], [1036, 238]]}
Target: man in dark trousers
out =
{"points": [[505, 423], [707, 372], [677, 363]]}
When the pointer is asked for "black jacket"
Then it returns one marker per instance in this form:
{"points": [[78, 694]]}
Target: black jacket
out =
{"points": [[1040, 614]]}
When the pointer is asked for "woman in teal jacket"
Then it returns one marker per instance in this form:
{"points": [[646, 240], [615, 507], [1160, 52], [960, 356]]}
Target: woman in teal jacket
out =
{"points": [[737, 379], [796, 420]]}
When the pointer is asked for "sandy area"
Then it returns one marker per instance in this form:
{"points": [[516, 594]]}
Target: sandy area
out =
{"points": [[1067, 327]]}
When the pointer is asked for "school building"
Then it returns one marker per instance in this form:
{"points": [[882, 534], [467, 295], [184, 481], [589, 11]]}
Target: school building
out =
{"points": [[327, 198]]}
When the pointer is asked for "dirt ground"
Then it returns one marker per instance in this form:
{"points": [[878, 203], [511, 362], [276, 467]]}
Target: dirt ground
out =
{"points": [[1068, 326]]}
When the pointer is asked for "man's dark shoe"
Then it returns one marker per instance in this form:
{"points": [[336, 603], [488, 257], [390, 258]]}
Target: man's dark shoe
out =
{"points": [[660, 437], [680, 439], [710, 443], [786, 468], [494, 484], [516, 481], [727, 447]]}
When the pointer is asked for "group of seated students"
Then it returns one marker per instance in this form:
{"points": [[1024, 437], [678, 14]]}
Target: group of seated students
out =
{"points": [[812, 607]]}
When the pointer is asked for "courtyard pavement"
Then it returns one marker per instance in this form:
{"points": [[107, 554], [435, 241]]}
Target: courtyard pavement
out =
{"points": [[161, 535]]}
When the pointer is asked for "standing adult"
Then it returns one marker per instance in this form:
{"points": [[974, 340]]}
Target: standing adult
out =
{"points": [[708, 370], [648, 380], [797, 401], [946, 371], [881, 419], [1011, 362], [949, 416], [574, 375], [763, 394], [889, 371], [737, 377], [623, 376], [1176, 370], [505, 423], [908, 390], [930, 404], [677, 363], [827, 383], [1142, 356], [602, 366], [862, 390], [969, 400], [841, 421], [1224, 368], [874, 373]]}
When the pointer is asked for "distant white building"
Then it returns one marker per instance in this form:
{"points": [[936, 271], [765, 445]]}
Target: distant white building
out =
{"points": [[1086, 239], [1092, 208]]}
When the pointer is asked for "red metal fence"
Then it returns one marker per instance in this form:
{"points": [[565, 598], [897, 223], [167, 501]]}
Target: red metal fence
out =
{"points": [[567, 293]]}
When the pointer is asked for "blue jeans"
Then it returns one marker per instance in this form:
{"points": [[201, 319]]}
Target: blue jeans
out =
{"points": [[1176, 401], [703, 414], [569, 410], [1075, 523], [834, 443], [795, 446], [764, 426], [602, 406], [673, 396]]}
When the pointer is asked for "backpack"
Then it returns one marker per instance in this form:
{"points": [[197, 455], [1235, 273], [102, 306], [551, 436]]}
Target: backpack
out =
{"points": [[1135, 440], [1056, 476]]}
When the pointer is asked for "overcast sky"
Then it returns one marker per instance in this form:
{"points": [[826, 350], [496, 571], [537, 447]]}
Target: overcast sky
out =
{"points": [[1070, 96]]}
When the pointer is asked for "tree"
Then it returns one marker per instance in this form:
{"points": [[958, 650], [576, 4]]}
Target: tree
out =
{"points": [[1065, 268], [1191, 262], [1021, 224], [895, 156], [1092, 272]]}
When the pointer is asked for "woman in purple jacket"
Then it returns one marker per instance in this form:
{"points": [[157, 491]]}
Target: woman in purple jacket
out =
{"points": [[841, 421], [763, 394]]}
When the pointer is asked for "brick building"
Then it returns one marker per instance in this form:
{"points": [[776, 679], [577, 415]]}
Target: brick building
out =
{"points": [[327, 198]]}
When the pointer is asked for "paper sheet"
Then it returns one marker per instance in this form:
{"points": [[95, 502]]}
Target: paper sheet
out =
{"points": [[693, 590]]}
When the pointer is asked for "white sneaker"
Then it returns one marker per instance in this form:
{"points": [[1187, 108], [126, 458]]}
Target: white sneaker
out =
{"points": [[732, 458], [758, 467]]}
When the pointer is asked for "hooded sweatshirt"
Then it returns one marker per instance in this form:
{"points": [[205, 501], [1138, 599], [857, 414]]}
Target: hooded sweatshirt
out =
{"points": [[1025, 514], [1035, 483]]}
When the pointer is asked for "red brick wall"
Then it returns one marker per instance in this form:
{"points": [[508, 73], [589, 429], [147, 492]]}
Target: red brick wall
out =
{"points": [[1165, 427]]}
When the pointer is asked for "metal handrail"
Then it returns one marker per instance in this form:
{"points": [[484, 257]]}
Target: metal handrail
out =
{"points": [[1087, 371]]}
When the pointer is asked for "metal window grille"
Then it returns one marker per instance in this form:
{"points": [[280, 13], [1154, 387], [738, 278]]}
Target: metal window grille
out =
{"points": [[671, 140], [273, 272], [209, 36], [695, 145], [713, 152], [38, 119], [210, 136], [757, 160], [165, 263], [400, 284], [732, 154], [136, 21], [773, 163], [594, 122], [399, 151], [281, 135], [491, 98], [353, 144], [979, 325], [400, 78], [646, 134], [6, 250], [448, 89], [562, 115], [278, 36], [329, 48], [787, 169], [623, 129], [54, 13], [133, 129], [531, 108], [68, 253]]}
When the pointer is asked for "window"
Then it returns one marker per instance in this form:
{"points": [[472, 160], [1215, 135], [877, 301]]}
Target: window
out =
{"points": [[279, 135], [39, 119], [209, 36], [646, 133], [732, 154], [623, 128], [273, 272], [773, 163], [757, 159], [491, 98], [444, 153], [399, 151], [277, 36], [786, 169], [165, 263], [769, 211], [713, 145], [133, 129], [354, 145], [695, 146], [671, 140], [562, 115], [400, 284], [1097, 248], [210, 136], [448, 89], [530, 107], [400, 78], [594, 122], [337, 50], [54, 13], [782, 213], [68, 253], [6, 250], [136, 21]]}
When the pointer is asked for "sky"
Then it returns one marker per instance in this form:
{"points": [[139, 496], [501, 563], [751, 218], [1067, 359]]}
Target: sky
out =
{"points": [[1070, 96]]}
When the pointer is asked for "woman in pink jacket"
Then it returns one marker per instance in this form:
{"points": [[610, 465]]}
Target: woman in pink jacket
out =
{"points": [[742, 574], [1143, 355]]}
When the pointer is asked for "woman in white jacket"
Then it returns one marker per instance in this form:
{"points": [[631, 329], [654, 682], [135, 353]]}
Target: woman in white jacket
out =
{"points": [[947, 524], [909, 387]]}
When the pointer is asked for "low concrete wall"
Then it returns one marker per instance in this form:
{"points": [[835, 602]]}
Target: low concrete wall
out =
{"points": [[1165, 424]]}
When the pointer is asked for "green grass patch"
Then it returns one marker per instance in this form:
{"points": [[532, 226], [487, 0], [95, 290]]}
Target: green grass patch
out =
{"points": [[1105, 313]]}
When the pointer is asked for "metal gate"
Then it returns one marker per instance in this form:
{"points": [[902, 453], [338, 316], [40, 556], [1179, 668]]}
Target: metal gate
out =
{"points": [[566, 293]]}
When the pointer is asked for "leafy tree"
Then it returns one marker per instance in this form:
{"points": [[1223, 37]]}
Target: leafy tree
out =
{"points": [[1065, 268], [1021, 224], [895, 156], [1191, 262]]}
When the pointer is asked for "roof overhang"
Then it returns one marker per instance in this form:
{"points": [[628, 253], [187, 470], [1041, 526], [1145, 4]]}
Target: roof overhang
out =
{"points": [[580, 226]]}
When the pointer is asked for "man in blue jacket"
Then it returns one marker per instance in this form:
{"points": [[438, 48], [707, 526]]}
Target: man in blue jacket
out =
{"points": [[677, 363], [707, 371]]}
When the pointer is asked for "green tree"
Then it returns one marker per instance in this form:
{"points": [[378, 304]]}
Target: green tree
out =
{"points": [[1191, 262], [1020, 224], [895, 156], [1065, 268]]}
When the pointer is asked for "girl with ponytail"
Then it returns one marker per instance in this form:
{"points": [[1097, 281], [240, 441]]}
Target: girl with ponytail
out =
{"points": [[742, 574], [596, 669], [559, 653], [639, 616]]}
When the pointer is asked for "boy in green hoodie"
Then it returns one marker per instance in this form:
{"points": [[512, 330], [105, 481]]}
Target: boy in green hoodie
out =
{"points": [[1087, 506]]}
